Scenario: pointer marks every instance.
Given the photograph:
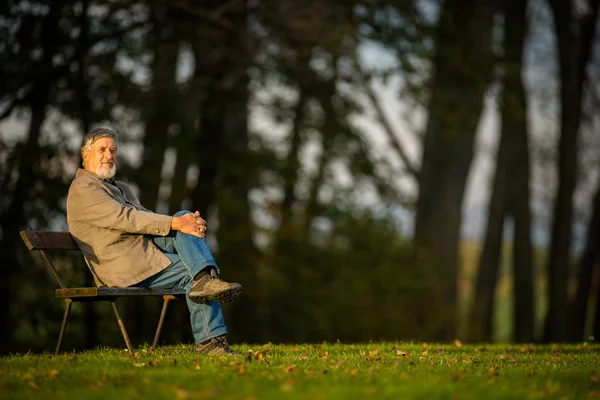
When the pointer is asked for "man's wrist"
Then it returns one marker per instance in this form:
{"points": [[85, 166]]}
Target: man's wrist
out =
{"points": [[175, 223]]}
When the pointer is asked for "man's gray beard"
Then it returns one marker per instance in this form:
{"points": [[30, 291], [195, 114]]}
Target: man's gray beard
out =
{"points": [[106, 173]]}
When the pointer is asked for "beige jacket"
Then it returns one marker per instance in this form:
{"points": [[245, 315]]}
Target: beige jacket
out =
{"points": [[109, 224]]}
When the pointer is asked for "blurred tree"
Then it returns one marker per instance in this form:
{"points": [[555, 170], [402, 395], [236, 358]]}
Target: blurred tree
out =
{"points": [[462, 65], [161, 99], [574, 38], [30, 77], [509, 199], [588, 265]]}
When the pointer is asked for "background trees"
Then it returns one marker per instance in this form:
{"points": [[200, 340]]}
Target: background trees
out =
{"points": [[282, 123]]}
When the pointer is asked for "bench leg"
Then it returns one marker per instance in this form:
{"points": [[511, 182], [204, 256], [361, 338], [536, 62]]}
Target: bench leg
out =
{"points": [[166, 299], [122, 326], [63, 326]]}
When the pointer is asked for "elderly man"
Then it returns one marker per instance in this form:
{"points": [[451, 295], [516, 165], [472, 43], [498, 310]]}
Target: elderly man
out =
{"points": [[125, 244]]}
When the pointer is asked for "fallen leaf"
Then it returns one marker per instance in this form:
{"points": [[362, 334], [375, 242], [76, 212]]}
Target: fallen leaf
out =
{"points": [[153, 363], [240, 369], [594, 377], [196, 364], [258, 356], [139, 364], [52, 373], [287, 386], [290, 369], [402, 353], [458, 343], [324, 356], [304, 356]]}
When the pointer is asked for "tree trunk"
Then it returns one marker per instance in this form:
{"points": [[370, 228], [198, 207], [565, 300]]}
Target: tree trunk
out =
{"points": [[574, 50], [13, 217], [292, 166], [159, 116], [482, 310], [514, 126], [463, 68], [589, 261], [328, 133]]}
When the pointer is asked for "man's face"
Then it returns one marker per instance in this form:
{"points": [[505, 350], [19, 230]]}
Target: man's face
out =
{"points": [[102, 158]]}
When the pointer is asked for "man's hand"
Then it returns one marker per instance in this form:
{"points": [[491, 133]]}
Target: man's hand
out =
{"points": [[192, 224]]}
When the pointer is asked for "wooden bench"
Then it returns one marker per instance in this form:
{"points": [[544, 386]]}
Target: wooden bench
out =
{"points": [[43, 241]]}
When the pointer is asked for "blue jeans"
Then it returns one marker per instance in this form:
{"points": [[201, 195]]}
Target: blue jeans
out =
{"points": [[189, 255]]}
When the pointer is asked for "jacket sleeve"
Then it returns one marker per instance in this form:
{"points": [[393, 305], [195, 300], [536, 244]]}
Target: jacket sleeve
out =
{"points": [[96, 206]]}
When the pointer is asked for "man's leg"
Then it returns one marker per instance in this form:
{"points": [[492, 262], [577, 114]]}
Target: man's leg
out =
{"points": [[206, 319], [196, 255]]}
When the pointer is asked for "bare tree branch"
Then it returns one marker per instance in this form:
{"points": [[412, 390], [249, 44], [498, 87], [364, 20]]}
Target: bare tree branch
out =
{"points": [[383, 119]]}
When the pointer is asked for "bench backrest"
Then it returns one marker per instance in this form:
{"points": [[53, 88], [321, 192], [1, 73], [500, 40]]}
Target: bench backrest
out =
{"points": [[49, 240], [39, 240]]}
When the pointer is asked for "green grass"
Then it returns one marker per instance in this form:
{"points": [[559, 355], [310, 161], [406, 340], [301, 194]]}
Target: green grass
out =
{"points": [[326, 371]]}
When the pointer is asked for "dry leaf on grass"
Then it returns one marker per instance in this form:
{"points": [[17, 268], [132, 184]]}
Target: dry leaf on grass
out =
{"points": [[290, 369], [400, 352]]}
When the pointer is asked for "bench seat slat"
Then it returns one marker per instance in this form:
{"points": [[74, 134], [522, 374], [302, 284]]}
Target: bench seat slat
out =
{"points": [[40, 240], [115, 292]]}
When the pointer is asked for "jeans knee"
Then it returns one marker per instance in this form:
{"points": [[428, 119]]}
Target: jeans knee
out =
{"points": [[182, 212]]}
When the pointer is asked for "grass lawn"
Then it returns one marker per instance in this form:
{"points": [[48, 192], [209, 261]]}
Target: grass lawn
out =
{"points": [[321, 371]]}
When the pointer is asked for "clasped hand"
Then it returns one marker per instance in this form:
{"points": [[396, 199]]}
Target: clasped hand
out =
{"points": [[192, 224]]}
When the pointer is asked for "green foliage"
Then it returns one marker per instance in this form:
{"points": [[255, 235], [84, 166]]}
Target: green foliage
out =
{"points": [[383, 370]]}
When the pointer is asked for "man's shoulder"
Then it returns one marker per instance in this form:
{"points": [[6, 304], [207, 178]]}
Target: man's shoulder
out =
{"points": [[81, 181]]}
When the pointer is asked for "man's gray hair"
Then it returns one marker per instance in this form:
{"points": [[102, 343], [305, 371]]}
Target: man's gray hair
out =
{"points": [[93, 135]]}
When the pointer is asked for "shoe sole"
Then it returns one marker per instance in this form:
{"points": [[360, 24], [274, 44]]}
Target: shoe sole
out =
{"points": [[223, 296]]}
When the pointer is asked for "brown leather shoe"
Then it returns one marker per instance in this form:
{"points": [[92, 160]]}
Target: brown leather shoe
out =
{"points": [[211, 287], [217, 346]]}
